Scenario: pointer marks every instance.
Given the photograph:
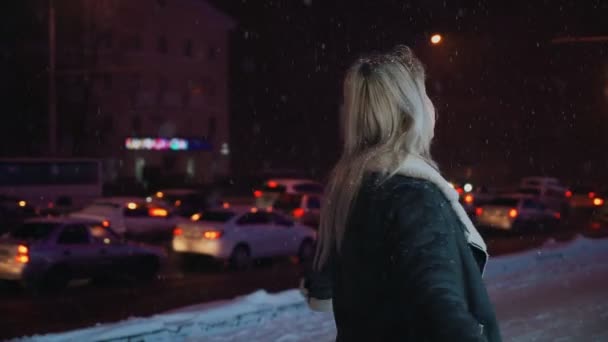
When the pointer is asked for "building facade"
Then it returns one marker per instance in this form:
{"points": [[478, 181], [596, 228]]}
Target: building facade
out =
{"points": [[144, 86]]}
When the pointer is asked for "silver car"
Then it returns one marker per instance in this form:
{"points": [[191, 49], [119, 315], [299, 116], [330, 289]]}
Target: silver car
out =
{"points": [[515, 212], [52, 251]]}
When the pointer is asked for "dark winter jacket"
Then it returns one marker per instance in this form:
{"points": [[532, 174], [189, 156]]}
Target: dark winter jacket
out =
{"points": [[409, 268]]}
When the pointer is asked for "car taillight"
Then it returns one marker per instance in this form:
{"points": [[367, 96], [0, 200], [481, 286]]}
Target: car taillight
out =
{"points": [[591, 195], [568, 194], [23, 254], [513, 213], [557, 215], [257, 194], [105, 223], [177, 231], [468, 199], [272, 184], [158, 212], [212, 234], [479, 211], [298, 213], [598, 202]]}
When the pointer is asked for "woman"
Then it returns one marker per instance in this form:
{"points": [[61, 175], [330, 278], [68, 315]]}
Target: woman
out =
{"points": [[397, 253]]}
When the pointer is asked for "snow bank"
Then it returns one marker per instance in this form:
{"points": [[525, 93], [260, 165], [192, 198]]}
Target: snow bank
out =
{"points": [[248, 317]]}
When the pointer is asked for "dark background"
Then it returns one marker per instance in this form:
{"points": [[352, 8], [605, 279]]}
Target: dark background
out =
{"points": [[510, 101]]}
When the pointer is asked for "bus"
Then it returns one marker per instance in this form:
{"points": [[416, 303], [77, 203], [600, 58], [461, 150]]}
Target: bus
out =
{"points": [[61, 184]]}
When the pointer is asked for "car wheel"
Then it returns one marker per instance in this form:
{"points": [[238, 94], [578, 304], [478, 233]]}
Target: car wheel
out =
{"points": [[306, 252], [240, 258], [147, 268], [57, 278]]}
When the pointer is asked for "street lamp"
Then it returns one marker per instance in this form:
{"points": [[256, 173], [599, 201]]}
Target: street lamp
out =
{"points": [[436, 39]]}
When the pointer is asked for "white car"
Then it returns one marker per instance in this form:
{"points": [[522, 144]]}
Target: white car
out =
{"points": [[131, 216], [516, 212], [240, 234], [271, 190]]}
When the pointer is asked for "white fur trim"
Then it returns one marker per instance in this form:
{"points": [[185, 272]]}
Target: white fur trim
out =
{"points": [[416, 167], [320, 305]]}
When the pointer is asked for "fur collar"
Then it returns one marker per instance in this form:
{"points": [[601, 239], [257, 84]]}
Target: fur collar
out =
{"points": [[416, 167]]}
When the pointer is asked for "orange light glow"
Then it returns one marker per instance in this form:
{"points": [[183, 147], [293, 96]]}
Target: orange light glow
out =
{"points": [[22, 249], [568, 193], [257, 194], [254, 210], [177, 231], [598, 202], [24, 259], [132, 205], [158, 212], [195, 217], [468, 199], [212, 234], [479, 211], [272, 184], [591, 195], [22, 204], [225, 205], [436, 39], [178, 203], [105, 223], [160, 194], [513, 213], [298, 213]]}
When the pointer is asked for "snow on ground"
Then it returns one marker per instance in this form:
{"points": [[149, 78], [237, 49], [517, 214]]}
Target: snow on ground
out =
{"points": [[554, 293]]}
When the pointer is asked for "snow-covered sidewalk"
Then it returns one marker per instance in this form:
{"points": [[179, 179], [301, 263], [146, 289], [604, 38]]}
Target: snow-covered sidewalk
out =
{"points": [[554, 293]]}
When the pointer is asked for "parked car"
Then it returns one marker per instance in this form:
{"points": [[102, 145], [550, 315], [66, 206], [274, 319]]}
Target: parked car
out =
{"points": [[599, 219], [186, 202], [53, 251], [584, 198], [516, 212], [132, 216], [549, 191], [304, 208], [269, 192], [239, 235]]}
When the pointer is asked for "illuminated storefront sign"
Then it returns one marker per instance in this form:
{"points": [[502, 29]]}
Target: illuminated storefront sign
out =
{"points": [[166, 144]]}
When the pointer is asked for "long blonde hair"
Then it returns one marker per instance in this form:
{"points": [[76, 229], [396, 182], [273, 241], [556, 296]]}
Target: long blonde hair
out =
{"points": [[387, 115]]}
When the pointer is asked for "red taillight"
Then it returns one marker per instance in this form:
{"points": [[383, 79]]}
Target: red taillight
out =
{"points": [[479, 211], [257, 194], [513, 213], [557, 215], [468, 199], [23, 254], [568, 194], [298, 213], [272, 184], [460, 190], [226, 205], [177, 231], [212, 234], [105, 223], [595, 225], [598, 202], [591, 195]]}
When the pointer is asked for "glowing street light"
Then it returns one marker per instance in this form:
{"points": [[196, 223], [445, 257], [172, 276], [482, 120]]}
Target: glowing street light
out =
{"points": [[436, 39]]}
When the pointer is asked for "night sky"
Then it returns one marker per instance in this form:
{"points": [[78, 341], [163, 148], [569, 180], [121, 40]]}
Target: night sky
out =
{"points": [[510, 101]]}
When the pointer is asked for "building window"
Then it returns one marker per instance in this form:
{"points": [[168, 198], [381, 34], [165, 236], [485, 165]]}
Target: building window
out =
{"points": [[163, 45], [212, 127], [137, 45], [212, 53], [107, 81], [188, 48]]}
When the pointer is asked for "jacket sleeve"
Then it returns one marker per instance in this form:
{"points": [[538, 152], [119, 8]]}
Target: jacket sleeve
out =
{"points": [[426, 260], [316, 286]]}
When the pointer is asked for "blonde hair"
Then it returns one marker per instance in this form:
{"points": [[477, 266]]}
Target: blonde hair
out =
{"points": [[387, 115]]}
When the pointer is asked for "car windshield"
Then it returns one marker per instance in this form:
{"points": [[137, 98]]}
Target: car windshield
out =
{"points": [[33, 231], [219, 216]]}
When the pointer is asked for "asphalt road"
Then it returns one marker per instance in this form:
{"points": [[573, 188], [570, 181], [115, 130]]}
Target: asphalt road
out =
{"points": [[81, 305]]}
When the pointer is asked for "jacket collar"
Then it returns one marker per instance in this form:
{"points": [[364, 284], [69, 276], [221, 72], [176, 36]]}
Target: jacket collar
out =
{"points": [[416, 167]]}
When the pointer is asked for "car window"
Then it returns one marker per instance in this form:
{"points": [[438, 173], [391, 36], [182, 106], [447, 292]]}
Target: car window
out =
{"points": [[504, 202], [555, 193], [288, 202], [140, 211], [282, 220], [216, 216], [309, 187], [314, 202], [75, 234], [103, 234], [33, 231], [254, 218], [530, 204], [529, 191]]}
